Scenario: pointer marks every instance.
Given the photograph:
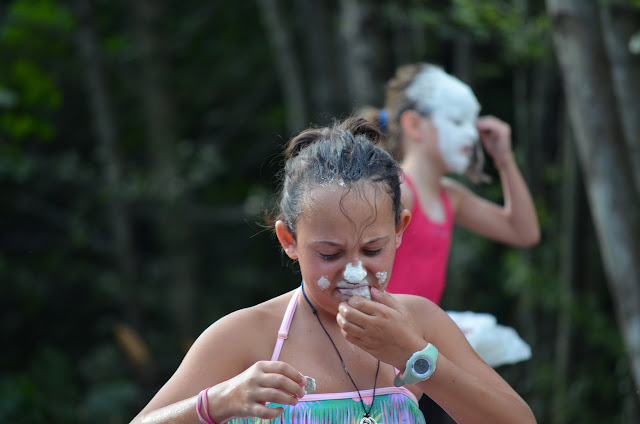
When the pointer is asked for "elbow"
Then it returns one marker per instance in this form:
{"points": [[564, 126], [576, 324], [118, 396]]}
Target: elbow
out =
{"points": [[531, 239], [529, 417], [528, 238]]}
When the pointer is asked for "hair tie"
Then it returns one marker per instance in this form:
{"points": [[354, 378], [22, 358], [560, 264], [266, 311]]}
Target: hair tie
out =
{"points": [[383, 117]]}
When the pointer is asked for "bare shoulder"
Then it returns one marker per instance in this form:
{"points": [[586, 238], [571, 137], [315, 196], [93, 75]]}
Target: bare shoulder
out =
{"points": [[437, 325], [242, 337], [252, 322], [419, 306], [456, 191], [225, 349], [453, 187], [406, 196]]}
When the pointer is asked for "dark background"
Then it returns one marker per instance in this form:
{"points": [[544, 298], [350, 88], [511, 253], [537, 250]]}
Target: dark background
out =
{"points": [[139, 147]]}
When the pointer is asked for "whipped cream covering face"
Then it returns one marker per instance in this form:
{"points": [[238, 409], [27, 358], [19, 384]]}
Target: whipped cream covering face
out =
{"points": [[454, 110]]}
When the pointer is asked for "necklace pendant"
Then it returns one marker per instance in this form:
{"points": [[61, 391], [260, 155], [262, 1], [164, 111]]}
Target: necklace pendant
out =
{"points": [[368, 420]]}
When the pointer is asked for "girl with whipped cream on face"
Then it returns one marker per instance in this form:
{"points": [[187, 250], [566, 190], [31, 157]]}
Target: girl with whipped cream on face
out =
{"points": [[339, 348], [433, 125]]}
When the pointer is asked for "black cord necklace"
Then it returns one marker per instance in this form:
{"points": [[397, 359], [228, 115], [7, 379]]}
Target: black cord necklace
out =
{"points": [[367, 419]]}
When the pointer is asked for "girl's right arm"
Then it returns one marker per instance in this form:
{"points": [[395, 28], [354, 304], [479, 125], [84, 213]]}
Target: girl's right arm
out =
{"points": [[224, 358], [515, 222]]}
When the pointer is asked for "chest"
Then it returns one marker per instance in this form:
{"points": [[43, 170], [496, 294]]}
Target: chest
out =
{"points": [[336, 367]]}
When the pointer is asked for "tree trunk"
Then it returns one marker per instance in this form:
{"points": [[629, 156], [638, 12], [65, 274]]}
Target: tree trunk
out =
{"points": [[570, 218], [169, 189], [527, 325], [359, 53], [286, 65], [619, 22], [605, 160], [462, 61], [106, 133], [319, 62]]}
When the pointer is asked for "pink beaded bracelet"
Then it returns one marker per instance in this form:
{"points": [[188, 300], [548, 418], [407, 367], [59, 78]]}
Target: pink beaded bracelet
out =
{"points": [[203, 400]]}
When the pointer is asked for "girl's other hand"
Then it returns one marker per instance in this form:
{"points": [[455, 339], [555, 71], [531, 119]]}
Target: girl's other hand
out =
{"points": [[247, 394], [382, 326]]}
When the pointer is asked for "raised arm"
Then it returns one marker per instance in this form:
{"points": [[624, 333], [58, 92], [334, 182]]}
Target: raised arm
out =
{"points": [[467, 388], [514, 223]]}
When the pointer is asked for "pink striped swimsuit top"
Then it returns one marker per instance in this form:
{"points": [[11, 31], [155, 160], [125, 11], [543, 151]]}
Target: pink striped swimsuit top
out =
{"points": [[393, 405]]}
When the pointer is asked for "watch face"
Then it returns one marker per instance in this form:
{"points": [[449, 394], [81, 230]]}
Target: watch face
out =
{"points": [[421, 366]]}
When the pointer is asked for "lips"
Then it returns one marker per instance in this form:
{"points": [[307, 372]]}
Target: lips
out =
{"points": [[355, 290], [467, 150]]}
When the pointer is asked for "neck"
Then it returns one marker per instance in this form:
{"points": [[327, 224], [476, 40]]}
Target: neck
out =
{"points": [[427, 177], [367, 413]]}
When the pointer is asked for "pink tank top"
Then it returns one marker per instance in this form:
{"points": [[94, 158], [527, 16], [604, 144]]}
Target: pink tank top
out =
{"points": [[420, 266]]}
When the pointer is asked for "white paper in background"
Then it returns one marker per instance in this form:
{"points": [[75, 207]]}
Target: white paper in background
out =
{"points": [[496, 344]]}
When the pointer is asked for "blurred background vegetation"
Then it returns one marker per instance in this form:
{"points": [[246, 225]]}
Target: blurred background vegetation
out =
{"points": [[139, 146]]}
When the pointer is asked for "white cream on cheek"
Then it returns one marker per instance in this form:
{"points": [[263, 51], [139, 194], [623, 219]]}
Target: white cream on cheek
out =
{"points": [[354, 274], [323, 283], [382, 277]]}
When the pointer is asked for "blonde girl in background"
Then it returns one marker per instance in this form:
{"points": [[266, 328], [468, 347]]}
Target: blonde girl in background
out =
{"points": [[434, 129], [431, 119]]}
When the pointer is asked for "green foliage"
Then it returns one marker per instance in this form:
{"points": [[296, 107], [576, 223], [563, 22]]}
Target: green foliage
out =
{"points": [[42, 393], [524, 36], [32, 33]]}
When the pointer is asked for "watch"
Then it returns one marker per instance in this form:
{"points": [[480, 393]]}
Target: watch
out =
{"points": [[420, 366]]}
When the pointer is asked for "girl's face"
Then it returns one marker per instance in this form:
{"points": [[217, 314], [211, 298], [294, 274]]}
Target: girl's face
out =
{"points": [[455, 112], [346, 242]]}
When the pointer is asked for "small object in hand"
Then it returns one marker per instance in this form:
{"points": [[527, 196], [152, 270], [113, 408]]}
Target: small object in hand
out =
{"points": [[310, 386]]}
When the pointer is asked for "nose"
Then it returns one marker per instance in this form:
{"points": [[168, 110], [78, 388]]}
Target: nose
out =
{"points": [[354, 274]]}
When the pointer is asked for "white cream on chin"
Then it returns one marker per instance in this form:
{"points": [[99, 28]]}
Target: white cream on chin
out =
{"points": [[323, 283]]}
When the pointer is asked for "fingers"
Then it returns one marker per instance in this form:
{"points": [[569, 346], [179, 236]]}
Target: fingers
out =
{"points": [[385, 298], [265, 382], [359, 314], [280, 376], [359, 311], [351, 320], [492, 128]]}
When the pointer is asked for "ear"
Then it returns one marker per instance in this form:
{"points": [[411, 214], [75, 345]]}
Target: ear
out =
{"points": [[405, 219], [287, 240], [411, 124]]}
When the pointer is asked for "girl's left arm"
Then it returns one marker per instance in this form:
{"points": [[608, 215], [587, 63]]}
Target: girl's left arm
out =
{"points": [[464, 385], [393, 327]]}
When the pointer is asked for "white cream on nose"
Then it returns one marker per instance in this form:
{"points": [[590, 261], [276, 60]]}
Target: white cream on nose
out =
{"points": [[354, 274]]}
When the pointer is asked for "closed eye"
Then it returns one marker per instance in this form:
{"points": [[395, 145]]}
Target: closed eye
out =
{"points": [[373, 252], [328, 257]]}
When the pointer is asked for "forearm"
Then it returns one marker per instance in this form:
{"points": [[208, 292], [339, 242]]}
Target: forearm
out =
{"points": [[185, 411], [518, 204], [470, 399], [182, 412]]}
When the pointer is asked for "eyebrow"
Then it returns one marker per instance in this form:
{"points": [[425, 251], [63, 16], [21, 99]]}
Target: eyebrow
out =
{"points": [[336, 244]]}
